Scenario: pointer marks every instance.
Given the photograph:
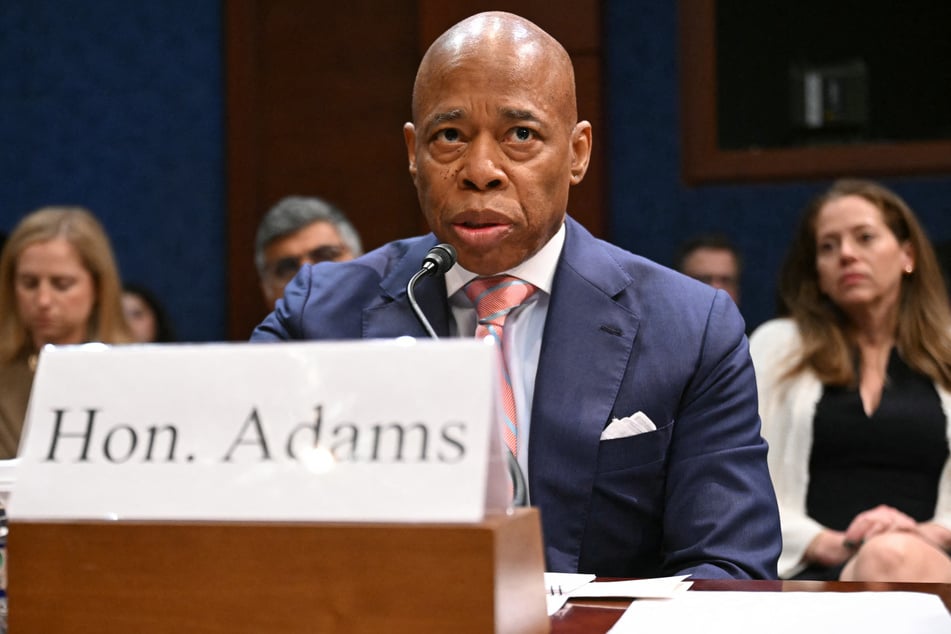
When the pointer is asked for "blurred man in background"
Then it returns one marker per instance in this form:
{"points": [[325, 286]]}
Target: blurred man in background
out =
{"points": [[713, 259], [300, 230]]}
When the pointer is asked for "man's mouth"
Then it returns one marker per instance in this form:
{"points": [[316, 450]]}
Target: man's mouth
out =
{"points": [[479, 225], [481, 234]]}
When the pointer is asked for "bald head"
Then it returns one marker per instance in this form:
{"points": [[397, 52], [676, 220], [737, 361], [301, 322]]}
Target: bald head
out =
{"points": [[495, 143], [506, 46]]}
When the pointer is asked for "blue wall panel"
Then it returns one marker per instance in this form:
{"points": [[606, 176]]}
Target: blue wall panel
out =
{"points": [[117, 106]]}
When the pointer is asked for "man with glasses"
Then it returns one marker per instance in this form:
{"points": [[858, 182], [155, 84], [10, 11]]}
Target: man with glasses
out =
{"points": [[300, 230]]}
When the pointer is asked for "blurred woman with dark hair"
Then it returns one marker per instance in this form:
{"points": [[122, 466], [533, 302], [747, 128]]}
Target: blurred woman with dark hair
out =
{"points": [[145, 315]]}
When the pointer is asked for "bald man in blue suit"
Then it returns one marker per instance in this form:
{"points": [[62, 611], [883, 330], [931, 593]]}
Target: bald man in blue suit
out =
{"points": [[637, 405]]}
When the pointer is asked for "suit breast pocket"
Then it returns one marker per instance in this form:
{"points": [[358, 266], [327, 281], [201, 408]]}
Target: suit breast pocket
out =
{"points": [[634, 451]]}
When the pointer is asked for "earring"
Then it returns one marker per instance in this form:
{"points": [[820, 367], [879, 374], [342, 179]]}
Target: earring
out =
{"points": [[909, 269]]}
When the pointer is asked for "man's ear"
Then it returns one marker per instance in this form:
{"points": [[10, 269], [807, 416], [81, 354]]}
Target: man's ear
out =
{"points": [[580, 151], [409, 135]]}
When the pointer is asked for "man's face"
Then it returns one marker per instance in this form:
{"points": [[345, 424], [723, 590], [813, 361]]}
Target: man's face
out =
{"points": [[716, 267], [493, 153], [317, 242]]}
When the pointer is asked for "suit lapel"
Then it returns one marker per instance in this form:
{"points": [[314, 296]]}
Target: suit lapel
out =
{"points": [[393, 316], [587, 347]]}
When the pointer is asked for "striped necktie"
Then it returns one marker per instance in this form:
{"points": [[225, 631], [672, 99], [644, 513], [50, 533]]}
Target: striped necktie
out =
{"points": [[494, 298]]}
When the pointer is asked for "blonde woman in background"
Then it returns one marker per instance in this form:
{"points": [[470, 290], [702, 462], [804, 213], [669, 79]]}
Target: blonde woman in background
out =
{"points": [[855, 394], [58, 285]]}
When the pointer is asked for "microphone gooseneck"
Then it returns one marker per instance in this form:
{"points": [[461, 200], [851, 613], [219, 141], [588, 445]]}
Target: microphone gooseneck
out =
{"points": [[519, 490], [437, 262]]}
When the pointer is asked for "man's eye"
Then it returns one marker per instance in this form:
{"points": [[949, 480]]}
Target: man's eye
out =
{"points": [[523, 134], [449, 134]]}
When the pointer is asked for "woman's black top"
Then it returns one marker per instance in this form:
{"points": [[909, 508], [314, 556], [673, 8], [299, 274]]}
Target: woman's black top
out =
{"points": [[894, 457]]}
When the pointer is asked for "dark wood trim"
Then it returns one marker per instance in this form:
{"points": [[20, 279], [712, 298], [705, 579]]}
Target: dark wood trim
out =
{"points": [[704, 162], [241, 150]]}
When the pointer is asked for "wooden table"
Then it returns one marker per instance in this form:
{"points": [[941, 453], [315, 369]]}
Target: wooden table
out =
{"points": [[594, 616]]}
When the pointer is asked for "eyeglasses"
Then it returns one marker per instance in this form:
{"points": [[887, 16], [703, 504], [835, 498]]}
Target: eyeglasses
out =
{"points": [[718, 281], [286, 268]]}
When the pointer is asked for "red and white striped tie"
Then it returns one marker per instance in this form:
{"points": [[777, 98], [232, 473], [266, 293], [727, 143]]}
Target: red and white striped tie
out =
{"points": [[494, 298]]}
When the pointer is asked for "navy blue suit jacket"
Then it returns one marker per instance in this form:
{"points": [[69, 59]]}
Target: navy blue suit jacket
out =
{"points": [[622, 335]]}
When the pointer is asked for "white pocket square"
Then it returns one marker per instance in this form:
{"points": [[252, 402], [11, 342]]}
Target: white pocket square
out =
{"points": [[636, 423]]}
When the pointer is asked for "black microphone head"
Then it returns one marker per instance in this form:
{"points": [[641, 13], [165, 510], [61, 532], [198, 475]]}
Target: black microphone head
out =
{"points": [[440, 259]]}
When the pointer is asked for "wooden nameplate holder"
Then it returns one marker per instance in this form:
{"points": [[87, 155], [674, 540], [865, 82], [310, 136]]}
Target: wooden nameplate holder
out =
{"points": [[236, 578]]}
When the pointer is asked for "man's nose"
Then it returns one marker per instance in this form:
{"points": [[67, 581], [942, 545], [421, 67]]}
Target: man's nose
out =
{"points": [[483, 169]]}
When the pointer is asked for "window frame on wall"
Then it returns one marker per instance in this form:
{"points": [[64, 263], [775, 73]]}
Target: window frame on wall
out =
{"points": [[705, 162]]}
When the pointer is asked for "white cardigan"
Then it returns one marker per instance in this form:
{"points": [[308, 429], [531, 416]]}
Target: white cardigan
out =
{"points": [[787, 408]]}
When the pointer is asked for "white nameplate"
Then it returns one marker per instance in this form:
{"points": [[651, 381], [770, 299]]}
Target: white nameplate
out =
{"points": [[396, 430]]}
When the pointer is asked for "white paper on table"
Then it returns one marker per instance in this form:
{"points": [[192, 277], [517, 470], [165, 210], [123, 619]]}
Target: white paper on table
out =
{"points": [[7, 478], [656, 588], [559, 585], [563, 586], [722, 612]]}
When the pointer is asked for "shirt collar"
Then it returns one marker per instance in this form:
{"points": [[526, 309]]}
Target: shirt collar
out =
{"points": [[539, 269]]}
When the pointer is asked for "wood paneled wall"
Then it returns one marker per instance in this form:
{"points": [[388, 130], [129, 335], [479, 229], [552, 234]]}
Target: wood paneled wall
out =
{"points": [[316, 98]]}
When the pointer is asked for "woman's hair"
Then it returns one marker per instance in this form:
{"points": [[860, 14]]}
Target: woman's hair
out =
{"points": [[164, 332], [923, 336], [81, 229]]}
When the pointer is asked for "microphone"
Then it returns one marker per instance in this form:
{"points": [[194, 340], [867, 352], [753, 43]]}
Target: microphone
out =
{"points": [[440, 259], [437, 262]]}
